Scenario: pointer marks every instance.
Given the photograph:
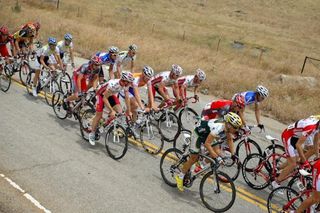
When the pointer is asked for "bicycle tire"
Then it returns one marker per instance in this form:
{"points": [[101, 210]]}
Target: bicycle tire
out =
{"points": [[65, 82], [231, 168], [241, 146], [25, 69], [306, 181], [5, 80], [57, 105], [153, 140], [168, 156], [29, 81], [256, 171], [166, 124], [49, 89], [181, 142], [121, 133], [223, 180], [189, 114], [85, 121]]}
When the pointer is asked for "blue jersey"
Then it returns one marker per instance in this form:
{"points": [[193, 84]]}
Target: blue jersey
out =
{"points": [[105, 57], [249, 97]]}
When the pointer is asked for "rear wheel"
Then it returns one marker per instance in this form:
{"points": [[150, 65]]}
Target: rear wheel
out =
{"points": [[169, 126], [116, 142], [5, 79], [188, 118], [58, 105], [151, 138], [65, 82], [85, 123], [246, 148], [49, 89], [23, 73]]}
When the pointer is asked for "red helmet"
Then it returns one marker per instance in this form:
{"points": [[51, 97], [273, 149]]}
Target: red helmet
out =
{"points": [[4, 30], [239, 99], [96, 60], [36, 25]]}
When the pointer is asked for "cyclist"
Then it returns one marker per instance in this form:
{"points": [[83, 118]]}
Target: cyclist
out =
{"points": [[209, 132], [126, 58], [43, 59], [106, 96], [315, 197], [35, 24], [294, 137], [64, 46], [23, 38], [5, 49], [254, 97], [135, 98], [85, 77], [166, 79], [217, 109], [188, 81], [108, 58]]}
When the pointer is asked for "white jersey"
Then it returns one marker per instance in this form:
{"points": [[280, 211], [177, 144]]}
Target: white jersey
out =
{"points": [[46, 51], [162, 77], [124, 59], [187, 81], [63, 47], [112, 85]]}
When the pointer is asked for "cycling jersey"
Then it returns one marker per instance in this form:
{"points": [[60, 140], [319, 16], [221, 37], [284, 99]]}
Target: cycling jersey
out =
{"points": [[136, 83], [105, 57], [291, 135], [216, 109], [63, 47], [4, 50], [162, 77], [23, 33], [88, 75], [316, 176], [124, 59], [249, 97], [46, 51], [187, 81], [214, 127]]}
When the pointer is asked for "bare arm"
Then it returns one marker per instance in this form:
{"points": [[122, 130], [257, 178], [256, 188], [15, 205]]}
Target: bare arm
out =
{"points": [[175, 88], [316, 144], [208, 146], [138, 97], [230, 143], [111, 75], [301, 140], [162, 93], [257, 112], [106, 95]]}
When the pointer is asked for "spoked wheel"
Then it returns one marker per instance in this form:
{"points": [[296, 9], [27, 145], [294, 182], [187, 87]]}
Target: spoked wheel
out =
{"points": [[256, 171], [65, 82], [58, 105], [5, 80], [215, 189], [170, 164], [29, 81], [49, 89], [23, 73], [188, 118], [244, 149], [116, 142], [283, 199], [231, 168], [300, 183], [169, 126], [151, 138], [183, 141], [86, 122]]}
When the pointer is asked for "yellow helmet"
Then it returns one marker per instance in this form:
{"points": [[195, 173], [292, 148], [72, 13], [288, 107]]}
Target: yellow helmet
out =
{"points": [[233, 119], [316, 116]]}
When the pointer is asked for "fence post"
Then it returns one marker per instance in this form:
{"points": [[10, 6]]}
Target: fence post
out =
{"points": [[58, 3], [304, 63], [184, 35], [152, 28], [218, 45]]}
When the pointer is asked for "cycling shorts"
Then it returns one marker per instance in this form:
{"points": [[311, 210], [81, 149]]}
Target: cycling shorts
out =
{"points": [[4, 51], [74, 86], [113, 100], [289, 143]]}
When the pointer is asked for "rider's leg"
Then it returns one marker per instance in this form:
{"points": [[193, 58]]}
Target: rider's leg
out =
{"points": [[134, 107], [292, 163], [313, 199]]}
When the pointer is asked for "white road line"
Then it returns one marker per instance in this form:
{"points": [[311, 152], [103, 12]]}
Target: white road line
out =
{"points": [[26, 195]]}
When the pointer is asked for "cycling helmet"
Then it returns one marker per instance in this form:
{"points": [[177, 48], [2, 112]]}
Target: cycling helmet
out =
{"points": [[68, 37], [315, 116], [113, 49], [239, 99], [233, 119], [176, 69], [133, 47], [36, 25], [52, 40], [262, 91], [201, 74], [96, 60], [4, 30], [127, 76], [148, 71]]}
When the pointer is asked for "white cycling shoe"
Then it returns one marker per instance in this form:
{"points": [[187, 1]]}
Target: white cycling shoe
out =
{"points": [[34, 91], [92, 138]]}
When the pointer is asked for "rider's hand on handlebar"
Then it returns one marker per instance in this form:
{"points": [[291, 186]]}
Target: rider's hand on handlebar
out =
{"points": [[196, 97], [219, 160]]}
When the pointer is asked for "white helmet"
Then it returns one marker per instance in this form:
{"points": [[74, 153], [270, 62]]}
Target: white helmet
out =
{"points": [[113, 49], [262, 91], [133, 47], [127, 76], [201, 74], [148, 71], [176, 69]]}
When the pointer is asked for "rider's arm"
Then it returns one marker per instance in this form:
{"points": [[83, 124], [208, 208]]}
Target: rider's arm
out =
{"points": [[230, 143], [80, 77], [106, 95], [132, 66], [72, 56], [299, 143], [195, 91], [316, 144], [182, 89], [150, 96], [111, 75], [208, 146], [16, 44], [119, 68], [95, 81], [58, 59], [257, 111], [138, 97], [175, 88], [161, 91], [241, 115], [42, 62], [127, 101]]}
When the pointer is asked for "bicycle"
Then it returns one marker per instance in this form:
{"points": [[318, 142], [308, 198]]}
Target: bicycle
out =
{"points": [[186, 114], [47, 83], [5, 75], [213, 183], [22, 65]]}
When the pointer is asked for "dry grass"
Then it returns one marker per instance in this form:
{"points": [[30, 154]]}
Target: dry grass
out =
{"points": [[288, 29]]}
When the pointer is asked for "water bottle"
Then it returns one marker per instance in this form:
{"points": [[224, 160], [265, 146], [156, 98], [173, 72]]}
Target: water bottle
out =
{"points": [[300, 185], [268, 152]]}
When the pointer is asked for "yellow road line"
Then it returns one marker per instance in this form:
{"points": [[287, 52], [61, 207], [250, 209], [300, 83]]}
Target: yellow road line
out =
{"points": [[242, 193]]}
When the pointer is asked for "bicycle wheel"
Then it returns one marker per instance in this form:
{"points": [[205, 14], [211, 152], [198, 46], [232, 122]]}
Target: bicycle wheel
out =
{"points": [[25, 69], [171, 163], [215, 189], [231, 168], [29, 81], [169, 126], [49, 89], [244, 149], [188, 118], [151, 138], [5, 80], [183, 141], [65, 82], [255, 171], [85, 123], [116, 142], [283, 199], [57, 105], [295, 182]]}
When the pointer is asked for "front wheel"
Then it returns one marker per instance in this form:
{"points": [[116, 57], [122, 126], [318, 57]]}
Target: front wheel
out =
{"points": [[5, 80], [188, 118], [29, 81], [169, 126], [151, 139], [49, 89], [25, 69], [215, 189], [116, 142], [85, 123], [65, 82], [58, 105], [246, 148]]}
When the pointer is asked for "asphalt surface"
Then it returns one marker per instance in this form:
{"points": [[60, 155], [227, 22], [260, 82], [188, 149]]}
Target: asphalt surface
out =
{"points": [[48, 159]]}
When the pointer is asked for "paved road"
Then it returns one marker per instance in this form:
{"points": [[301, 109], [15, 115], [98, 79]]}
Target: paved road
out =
{"points": [[48, 159]]}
